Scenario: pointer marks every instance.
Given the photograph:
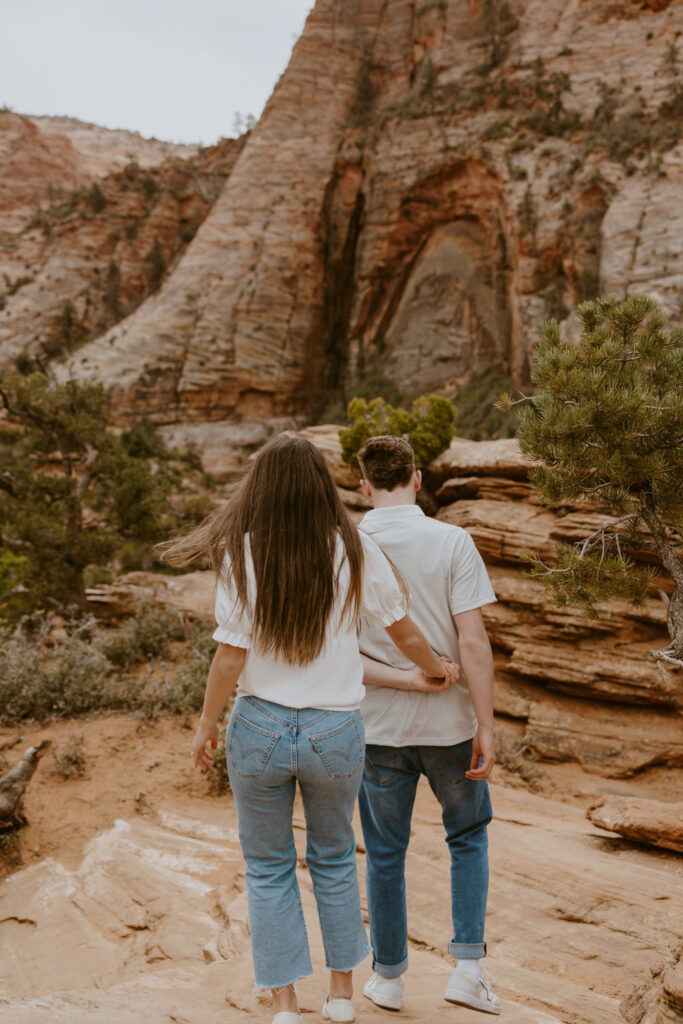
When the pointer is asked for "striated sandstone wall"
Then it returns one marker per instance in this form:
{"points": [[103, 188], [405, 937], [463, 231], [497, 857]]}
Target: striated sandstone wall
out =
{"points": [[399, 210], [84, 253], [570, 688]]}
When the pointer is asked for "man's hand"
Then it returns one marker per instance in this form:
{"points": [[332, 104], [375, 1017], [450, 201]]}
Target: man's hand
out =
{"points": [[421, 683], [452, 670], [483, 749]]}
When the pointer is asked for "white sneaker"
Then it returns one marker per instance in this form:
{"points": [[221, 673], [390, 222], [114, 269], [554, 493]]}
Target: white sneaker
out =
{"points": [[384, 992], [474, 992], [339, 1010], [287, 1017]]}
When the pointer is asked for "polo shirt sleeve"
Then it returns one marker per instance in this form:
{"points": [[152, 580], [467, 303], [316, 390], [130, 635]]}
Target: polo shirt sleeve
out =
{"points": [[234, 621], [470, 586], [383, 600]]}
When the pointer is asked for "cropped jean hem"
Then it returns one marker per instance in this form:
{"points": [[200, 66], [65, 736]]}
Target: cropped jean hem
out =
{"points": [[467, 950], [390, 970], [260, 986], [356, 961]]}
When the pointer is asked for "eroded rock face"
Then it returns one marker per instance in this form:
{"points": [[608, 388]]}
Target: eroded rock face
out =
{"points": [[152, 924], [646, 821], [585, 690], [88, 234], [398, 211]]}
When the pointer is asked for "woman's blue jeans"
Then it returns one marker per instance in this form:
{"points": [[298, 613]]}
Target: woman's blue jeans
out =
{"points": [[386, 805], [269, 748]]}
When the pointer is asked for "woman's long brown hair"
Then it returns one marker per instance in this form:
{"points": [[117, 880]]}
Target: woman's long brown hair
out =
{"points": [[290, 508]]}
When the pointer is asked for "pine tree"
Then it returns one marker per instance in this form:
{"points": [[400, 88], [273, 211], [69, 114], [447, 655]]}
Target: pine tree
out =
{"points": [[71, 491], [606, 423]]}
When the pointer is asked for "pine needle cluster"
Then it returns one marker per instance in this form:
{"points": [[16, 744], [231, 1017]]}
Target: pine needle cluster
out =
{"points": [[606, 425]]}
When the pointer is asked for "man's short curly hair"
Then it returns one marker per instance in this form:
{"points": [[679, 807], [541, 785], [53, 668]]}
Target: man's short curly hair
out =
{"points": [[387, 462]]}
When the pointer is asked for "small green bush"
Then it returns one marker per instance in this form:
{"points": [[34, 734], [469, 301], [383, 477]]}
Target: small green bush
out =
{"points": [[428, 426], [147, 635], [91, 670]]}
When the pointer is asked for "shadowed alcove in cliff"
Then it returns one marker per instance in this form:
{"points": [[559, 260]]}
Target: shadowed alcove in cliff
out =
{"points": [[435, 304]]}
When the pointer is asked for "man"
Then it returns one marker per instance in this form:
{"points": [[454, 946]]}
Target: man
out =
{"points": [[446, 736]]}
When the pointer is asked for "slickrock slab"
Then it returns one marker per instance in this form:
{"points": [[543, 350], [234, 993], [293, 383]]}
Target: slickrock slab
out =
{"points": [[479, 458], [152, 925], [192, 593], [646, 821], [609, 739], [659, 1001]]}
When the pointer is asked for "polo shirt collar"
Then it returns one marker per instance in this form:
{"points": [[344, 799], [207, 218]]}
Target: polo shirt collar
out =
{"points": [[378, 518]]}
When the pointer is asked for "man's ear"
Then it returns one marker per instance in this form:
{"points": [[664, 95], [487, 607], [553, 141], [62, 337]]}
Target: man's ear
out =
{"points": [[417, 480], [366, 488]]}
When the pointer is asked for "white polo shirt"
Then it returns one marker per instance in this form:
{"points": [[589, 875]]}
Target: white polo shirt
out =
{"points": [[334, 680], [445, 575]]}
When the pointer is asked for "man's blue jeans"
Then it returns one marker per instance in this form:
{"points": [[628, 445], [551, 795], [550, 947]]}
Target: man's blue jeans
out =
{"points": [[386, 802], [269, 748]]}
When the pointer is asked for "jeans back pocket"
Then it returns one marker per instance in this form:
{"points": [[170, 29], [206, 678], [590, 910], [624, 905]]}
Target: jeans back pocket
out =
{"points": [[249, 747], [341, 749]]}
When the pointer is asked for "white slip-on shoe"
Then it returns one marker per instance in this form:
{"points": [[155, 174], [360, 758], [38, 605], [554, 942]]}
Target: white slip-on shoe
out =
{"points": [[462, 988], [338, 1010], [287, 1017], [384, 992]]}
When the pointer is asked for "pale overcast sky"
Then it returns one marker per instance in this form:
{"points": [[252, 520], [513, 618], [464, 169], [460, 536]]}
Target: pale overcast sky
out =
{"points": [[176, 69]]}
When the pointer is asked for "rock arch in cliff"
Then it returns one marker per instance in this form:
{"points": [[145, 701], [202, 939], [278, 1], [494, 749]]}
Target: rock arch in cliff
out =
{"points": [[435, 304]]}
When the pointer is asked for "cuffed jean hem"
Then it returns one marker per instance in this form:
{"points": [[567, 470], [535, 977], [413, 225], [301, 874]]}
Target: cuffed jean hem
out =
{"points": [[390, 970], [467, 950]]}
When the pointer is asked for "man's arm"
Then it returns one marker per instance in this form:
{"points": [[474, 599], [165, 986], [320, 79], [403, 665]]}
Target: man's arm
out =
{"points": [[477, 663], [376, 673], [412, 643]]}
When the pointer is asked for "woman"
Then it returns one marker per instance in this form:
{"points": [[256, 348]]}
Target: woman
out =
{"points": [[294, 576]]}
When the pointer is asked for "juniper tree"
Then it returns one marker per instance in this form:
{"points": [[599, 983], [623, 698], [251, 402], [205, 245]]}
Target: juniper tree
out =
{"points": [[606, 424], [71, 490]]}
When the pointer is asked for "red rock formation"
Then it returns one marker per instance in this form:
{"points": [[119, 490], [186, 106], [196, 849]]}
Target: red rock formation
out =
{"points": [[399, 210], [83, 254], [646, 821], [576, 689]]}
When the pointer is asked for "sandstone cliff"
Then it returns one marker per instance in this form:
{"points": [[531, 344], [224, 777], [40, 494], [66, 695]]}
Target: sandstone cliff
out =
{"points": [[424, 186], [94, 230]]}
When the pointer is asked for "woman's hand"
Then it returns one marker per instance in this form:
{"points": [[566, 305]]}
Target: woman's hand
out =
{"points": [[206, 733], [434, 684]]}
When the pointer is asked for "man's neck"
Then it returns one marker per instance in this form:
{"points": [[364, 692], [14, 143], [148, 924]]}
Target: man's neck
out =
{"points": [[392, 499]]}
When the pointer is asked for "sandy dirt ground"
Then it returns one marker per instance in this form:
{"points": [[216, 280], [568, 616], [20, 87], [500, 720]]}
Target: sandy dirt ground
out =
{"points": [[128, 902]]}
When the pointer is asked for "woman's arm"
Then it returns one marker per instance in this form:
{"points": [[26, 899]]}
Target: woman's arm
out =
{"points": [[228, 662], [412, 642], [376, 673]]}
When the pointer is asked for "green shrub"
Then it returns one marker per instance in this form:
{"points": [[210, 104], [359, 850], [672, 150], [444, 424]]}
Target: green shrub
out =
{"points": [[95, 198], [428, 426], [156, 265], [90, 671], [147, 635]]}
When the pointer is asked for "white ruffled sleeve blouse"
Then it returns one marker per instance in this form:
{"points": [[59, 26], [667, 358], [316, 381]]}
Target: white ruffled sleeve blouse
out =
{"points": [[334, 680]]}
